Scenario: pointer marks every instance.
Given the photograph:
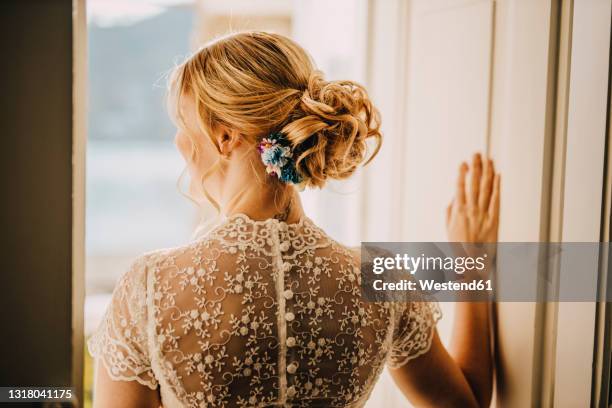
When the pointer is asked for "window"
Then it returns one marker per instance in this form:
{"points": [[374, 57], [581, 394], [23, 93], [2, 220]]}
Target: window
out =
{"points": [[133, 201]]}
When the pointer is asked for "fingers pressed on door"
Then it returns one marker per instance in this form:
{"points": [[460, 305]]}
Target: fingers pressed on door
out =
{"points": [[486, 185], [461, 196], [475, 180]]}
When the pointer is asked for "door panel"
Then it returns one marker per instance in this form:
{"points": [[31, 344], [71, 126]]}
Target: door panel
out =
{"points": [[478, 80], [587, 107], [520, 138], [448, 90], [449, 65], [431, 83]]}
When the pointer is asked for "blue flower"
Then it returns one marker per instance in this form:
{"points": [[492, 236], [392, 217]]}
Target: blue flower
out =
{"points": [[289, 174], [277, 155]]}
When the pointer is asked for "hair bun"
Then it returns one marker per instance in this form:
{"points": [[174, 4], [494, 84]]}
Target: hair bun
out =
{"points": [[329, 128]]}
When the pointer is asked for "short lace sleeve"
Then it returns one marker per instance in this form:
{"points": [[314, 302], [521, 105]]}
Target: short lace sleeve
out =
{"points": [[415, 324], [120, 342]]}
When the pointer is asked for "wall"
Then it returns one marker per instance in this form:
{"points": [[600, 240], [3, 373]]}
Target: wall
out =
{"points": [[36, 209]]}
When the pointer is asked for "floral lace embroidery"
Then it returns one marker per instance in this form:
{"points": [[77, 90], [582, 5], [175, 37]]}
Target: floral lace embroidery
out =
{"points": [[258, 313], [120, 341]]}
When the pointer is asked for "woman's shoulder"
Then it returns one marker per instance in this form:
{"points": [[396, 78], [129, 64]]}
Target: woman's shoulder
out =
{"points": [[212, 243], [238, 235]]}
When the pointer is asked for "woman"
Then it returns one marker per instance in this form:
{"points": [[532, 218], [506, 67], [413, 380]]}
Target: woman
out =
{"points": [[266, 308]]}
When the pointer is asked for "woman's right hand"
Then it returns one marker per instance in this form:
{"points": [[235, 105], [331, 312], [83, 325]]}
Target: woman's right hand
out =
{"points": [[473, 216]]}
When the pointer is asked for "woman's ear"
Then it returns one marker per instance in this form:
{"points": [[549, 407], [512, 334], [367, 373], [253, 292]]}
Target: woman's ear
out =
{"points": [[228, 140]]}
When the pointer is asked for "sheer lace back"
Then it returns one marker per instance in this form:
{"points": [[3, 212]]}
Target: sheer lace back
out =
{"points": [[257, 313]]}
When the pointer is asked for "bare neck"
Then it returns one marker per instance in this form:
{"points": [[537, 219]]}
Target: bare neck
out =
{"points": [[260, 202]]}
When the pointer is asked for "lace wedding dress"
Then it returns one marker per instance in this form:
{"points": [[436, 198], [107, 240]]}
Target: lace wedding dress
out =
{"points": [[256, 314]]}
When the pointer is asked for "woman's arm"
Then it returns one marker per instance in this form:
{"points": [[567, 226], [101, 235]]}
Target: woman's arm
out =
{"points": [[465, 376], [434, 379], [121, 394]]}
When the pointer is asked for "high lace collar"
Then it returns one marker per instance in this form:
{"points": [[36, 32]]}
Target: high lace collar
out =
{"points": [[302, 221], [240, 230], [224, 222]]}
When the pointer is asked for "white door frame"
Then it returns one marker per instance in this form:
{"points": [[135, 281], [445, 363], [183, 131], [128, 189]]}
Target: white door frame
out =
{"points": [[580, 207]]}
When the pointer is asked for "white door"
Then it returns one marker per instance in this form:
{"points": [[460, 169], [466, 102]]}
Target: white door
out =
{"points": [[457, 76]]}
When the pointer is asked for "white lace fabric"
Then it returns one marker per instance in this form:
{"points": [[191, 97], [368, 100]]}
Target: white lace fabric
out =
{"points": [[256, 314]]}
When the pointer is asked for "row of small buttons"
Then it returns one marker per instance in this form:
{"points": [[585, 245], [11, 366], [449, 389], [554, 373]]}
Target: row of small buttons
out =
{"points": [[289, 316], [292, 368]]}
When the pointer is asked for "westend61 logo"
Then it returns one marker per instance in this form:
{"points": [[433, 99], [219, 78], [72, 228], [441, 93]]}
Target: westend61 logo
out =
{"points": [[410, 264], [509, 271], [397, 271]]}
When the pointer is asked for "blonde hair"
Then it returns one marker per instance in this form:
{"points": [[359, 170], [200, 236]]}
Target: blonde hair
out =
{"points": [[258, 83]]}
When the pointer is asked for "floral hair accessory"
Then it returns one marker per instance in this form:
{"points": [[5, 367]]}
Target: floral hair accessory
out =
{"points": [[277, 155]]}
